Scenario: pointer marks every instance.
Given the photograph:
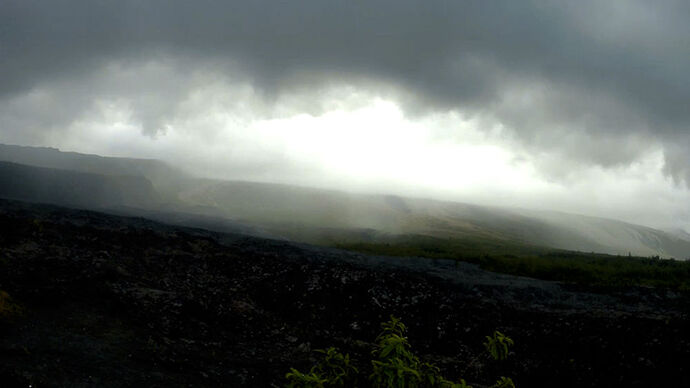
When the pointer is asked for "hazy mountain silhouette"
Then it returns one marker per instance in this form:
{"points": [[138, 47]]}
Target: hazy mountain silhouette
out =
{"points": [[272, 205], [156, 190], [73, 188]]}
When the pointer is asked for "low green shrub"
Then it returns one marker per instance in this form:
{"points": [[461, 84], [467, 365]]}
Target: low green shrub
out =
{"points": [[8, 307], [497, 345], [334, 370], [394, 365]]}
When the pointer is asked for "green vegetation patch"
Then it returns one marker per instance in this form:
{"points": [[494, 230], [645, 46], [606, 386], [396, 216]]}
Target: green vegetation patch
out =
{"points": [[590, 269], [9, 309], [468, 249], [596, 270], [393, 365]]}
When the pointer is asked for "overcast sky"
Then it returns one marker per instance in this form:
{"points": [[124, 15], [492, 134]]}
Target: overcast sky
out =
{"points": [[581, 106]]}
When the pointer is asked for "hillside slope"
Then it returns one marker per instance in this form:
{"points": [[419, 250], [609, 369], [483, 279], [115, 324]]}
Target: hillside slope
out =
{"points": [[166, 179], [331, 217], [78, 189], [615, 236], [314, 210]]}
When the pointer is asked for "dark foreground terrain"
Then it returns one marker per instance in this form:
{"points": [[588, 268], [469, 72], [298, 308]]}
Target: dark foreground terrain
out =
{"points": [[100, 300]]}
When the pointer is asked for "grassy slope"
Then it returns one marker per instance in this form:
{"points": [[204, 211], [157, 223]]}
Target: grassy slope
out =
{"points": [[284, 207], [74, 188], [590, 269]]}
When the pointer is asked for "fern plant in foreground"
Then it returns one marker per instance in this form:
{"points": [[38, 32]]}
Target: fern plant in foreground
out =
{"points": [[497, 345], [394, 364], [9, 309], [334, 370]]}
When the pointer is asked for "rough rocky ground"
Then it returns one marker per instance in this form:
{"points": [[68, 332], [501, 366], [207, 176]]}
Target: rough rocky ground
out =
{"points": [[115, 301]]}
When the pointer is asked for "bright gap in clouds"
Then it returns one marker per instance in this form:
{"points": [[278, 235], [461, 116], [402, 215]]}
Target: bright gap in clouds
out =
{"points": [[371, 147], [377, 143], [365, 143]]}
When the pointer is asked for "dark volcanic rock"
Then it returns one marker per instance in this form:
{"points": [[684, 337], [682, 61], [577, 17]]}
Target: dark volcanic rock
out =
{"points": [[113, 301]]}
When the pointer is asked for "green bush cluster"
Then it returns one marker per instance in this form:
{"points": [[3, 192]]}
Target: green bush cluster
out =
{"points": [[394, 365]]}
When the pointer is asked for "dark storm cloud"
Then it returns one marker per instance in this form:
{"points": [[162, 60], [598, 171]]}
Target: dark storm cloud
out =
{"points": [[595, 81]]}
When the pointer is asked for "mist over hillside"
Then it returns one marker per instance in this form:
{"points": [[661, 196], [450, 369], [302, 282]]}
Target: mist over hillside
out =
{"points": [[164, 177], [308, 214], [73, 188]]}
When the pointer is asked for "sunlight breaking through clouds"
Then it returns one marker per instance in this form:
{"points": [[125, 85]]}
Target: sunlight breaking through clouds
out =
{"points": [[362, 142], [579, 107]]}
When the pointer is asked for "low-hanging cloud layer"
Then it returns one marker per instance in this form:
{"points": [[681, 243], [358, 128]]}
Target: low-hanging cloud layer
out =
{"points": [[580, 107]]}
